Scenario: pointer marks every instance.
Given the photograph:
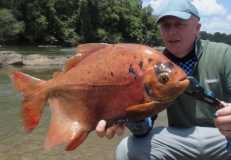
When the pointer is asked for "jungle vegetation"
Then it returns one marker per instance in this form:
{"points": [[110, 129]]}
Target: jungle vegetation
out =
{"points": [[70, 22]]}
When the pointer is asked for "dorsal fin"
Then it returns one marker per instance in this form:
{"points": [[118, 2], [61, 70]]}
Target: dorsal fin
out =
{"points": [[57, 74], [72, 62], [90, 47], [83, 51]]}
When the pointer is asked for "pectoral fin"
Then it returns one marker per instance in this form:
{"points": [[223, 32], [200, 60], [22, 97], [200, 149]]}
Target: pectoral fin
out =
{"points": [[140, 111]]}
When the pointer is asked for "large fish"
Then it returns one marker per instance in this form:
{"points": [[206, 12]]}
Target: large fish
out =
{"points": [[102, 81]]}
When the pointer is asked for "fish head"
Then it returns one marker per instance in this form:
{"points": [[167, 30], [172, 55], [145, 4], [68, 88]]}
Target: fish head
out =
{"points": [[163, 79]]}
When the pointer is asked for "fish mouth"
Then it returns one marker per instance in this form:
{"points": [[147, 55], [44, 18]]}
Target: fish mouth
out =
{"points": [[183, 79], [181, 86]]}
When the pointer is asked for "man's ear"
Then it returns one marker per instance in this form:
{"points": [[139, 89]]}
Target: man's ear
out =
{"points": [[198, 28]]}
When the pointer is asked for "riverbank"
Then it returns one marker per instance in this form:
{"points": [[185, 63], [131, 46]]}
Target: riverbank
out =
{"points": [[17, 59], [37, 56]]}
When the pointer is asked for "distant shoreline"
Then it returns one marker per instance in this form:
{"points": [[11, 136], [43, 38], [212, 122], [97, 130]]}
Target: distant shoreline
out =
{"points": [[18, 59]]}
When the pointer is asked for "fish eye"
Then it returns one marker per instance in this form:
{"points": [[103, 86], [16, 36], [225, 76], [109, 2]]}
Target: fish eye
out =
{"points": [[163, 77], [163, 71]]}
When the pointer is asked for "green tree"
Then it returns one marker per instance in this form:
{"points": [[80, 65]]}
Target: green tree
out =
{"points": [[217, 37], [73, 21], [117, 21], [10, 27], [49, 21]]}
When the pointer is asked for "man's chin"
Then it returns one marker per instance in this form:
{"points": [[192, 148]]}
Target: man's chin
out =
{"points": [[174, 49]]}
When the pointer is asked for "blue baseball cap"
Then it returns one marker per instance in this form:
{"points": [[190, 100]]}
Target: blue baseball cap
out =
{"points": [[182, 9]]}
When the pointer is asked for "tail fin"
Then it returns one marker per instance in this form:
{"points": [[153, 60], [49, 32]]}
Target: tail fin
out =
{"points": [[34, 98]]}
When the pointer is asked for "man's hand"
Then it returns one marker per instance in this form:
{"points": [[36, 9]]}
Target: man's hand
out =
{"points": [[223, 120], [110, 132]]}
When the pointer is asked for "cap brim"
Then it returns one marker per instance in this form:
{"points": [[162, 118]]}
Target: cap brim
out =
{"points": [[181, 15]]}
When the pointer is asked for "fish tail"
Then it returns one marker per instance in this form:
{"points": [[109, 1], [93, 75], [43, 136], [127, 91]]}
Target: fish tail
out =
{"points": [[34, 98]]}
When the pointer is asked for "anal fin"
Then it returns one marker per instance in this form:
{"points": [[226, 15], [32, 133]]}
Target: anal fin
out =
{"points": [[77, 140], [63, 129]]}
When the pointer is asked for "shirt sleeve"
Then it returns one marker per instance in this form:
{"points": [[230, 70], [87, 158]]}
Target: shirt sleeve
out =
{"points": [[227, 74]]}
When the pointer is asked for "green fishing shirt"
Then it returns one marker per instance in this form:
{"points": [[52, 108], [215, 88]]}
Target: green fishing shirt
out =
{"points": [[213, 71]]}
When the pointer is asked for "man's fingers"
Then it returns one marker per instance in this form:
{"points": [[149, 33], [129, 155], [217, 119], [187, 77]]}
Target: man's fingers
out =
{"points": [[223, 120], [101, 128], [114, 130], [120, 130], [226, 110], [226, 133], [223, 123], [110, 132]]}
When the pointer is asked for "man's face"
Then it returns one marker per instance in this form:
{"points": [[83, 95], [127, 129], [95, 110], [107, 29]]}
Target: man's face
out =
{"points": [[179, 35]]}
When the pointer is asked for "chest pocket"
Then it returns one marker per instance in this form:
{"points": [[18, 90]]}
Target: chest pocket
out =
{"points": [[213, 85], [209, 74]]}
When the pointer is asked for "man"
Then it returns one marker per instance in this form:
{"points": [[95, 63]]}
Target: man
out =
{"points": [[196, 130]]}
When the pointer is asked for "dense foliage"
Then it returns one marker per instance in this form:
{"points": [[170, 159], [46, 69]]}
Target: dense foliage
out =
{"points": [[10, 27], [217, 37], [68, 22], [73, 21]]}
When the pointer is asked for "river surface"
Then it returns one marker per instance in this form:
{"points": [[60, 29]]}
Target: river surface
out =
{"points": [[16, 144], [44, 50]]}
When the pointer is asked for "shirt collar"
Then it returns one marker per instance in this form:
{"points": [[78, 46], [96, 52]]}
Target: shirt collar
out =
{"points": [[198, 48]]}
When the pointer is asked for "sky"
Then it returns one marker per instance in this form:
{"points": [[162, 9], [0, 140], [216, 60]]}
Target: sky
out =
{"points": [[215, 14]]}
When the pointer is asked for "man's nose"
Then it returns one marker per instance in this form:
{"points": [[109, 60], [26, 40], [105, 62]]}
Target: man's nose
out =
{"points": [[172, 30]]}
